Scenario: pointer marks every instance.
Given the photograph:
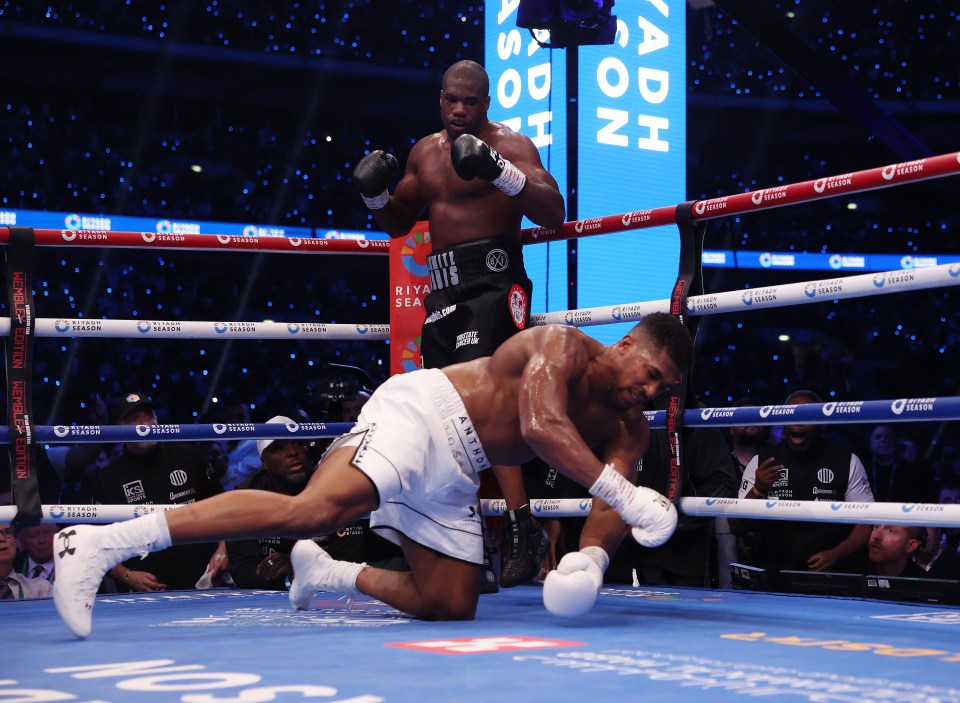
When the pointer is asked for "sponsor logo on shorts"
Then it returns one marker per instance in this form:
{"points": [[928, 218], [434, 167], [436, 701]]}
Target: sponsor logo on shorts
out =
{"points": [[497, 260], [519, 309], [467, 339], [825, 475], [178, 477]]}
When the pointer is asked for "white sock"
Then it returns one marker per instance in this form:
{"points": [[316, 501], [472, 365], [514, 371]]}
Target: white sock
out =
{"points": [[345, 575], [142, 535]]}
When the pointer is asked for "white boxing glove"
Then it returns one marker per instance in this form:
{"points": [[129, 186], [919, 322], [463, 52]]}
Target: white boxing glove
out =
{"points": [[571, 589], [652, 517]]}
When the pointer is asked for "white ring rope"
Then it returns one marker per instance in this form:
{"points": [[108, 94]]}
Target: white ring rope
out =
{"points": [[921, 514], [924, 514], [199, 329], [816, 291]]}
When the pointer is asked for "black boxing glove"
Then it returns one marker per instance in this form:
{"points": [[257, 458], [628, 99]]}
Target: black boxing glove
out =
{"points": [[373, 174], [474, 158]]}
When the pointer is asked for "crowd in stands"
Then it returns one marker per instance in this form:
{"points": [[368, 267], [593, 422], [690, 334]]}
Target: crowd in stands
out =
{"points": [[97, 148]]}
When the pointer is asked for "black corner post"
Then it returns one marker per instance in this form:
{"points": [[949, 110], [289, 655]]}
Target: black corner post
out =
{"points": [[689, 282], [19, 364]]}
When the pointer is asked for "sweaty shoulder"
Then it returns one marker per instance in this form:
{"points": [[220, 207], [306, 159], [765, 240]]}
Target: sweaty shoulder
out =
{"points": [[506, 139], [424, 147]]}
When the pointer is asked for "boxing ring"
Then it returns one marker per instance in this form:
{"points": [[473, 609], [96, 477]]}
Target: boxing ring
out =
{"points": [[656, 644]]}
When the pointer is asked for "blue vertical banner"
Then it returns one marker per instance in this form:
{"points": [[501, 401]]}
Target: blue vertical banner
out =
{"points": [[528, 90], [631, 145], [632, 154]]}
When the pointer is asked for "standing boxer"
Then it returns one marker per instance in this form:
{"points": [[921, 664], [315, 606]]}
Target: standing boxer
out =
{"points": [[478, 178]]}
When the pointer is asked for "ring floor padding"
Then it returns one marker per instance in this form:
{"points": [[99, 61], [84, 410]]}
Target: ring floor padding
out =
{"points": [[638, 644]]}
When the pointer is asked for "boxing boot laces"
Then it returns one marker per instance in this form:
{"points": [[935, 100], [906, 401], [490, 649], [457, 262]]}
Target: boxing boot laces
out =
{"points": [[526, 544]]}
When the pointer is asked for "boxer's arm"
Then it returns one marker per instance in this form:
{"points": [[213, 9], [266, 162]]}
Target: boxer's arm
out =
{"points": [[401, 211], [540, 200], [511, 163], [544, 398]]}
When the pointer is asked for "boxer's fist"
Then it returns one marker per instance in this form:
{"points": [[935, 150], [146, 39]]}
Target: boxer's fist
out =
{"points": [[572, 589], [657, 522], [652, 517], [474, 158], [374, 172]]}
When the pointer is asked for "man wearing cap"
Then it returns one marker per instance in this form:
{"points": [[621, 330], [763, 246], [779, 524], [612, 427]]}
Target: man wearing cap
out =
{"points": [[158, 473], [265, 562]]}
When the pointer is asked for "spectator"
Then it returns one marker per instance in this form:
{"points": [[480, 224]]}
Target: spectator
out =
{"points": [[892, 478], [265, 562], [148, 472], [804, 465], [243, 460], [687, 558], [14, 586], [939, 556], [892, 547], [745, 442], [36, 551]]}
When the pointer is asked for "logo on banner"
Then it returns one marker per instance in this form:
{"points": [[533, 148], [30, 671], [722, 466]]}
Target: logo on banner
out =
{"points": [[220, 327], [61, 326], [517, 299], [412, 250], [362, 329], [71, 221], [616, 313], [766, 259], [223, 238], [879, 280], [144, 327], [164, 227], [293, 328], [143, 430], [410, 357], [219, 428], [61, 430], [747, 297], [291, 426], [294, 241], [954, 270]]}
